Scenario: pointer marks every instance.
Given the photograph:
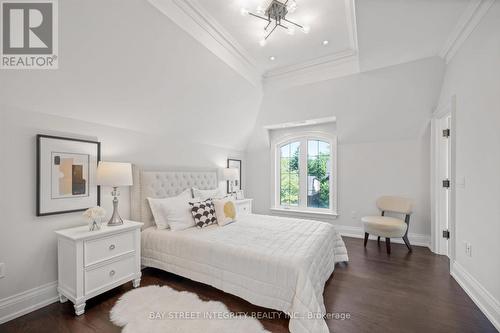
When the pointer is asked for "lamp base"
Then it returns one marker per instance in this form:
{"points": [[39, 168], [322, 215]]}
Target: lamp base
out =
{"points": [[115, 218]]}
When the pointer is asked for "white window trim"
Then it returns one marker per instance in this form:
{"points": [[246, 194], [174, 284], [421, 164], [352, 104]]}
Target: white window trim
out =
{"points": [[275, 179]]}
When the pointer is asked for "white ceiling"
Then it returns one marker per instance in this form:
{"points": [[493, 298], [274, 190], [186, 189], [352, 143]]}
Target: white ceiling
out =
{"points": [[362, 34], [328, 20], [396, 31]]}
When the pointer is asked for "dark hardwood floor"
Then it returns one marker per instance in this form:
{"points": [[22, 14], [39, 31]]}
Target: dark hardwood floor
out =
{"points": [[402, 292]]}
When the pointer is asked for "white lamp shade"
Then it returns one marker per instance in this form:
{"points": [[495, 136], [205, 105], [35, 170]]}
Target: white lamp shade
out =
{"points": [[114, 174], [230, 174]]}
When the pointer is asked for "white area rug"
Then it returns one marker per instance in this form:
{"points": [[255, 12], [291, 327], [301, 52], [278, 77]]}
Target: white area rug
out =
{"points": [[161, 309]]}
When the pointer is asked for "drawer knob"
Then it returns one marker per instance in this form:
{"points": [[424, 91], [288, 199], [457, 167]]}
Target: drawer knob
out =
{"points": [[112, 247], [111, 273]]}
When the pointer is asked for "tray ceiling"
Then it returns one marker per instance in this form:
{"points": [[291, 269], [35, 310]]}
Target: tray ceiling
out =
{"points": [[219, 25], [329, 20]]}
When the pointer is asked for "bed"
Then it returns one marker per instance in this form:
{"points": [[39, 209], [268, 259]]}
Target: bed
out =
{"points": [[274, 262]]}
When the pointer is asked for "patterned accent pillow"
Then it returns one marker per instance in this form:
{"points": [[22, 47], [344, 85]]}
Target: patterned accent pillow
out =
{"points": [[203, 213]]}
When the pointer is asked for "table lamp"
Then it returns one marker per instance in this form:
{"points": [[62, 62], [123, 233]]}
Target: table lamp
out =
{"points": [[232, 175], [114, 174]]}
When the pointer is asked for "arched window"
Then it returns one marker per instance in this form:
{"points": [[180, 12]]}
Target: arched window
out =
{"points": [[304, 178]]}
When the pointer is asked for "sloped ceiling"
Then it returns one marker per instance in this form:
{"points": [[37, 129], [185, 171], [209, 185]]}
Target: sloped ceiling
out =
{"points": [[122, 63], [396, 31], [388, 104]]}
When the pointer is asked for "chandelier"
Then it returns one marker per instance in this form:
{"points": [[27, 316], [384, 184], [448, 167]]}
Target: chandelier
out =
{"points": [[275, 16]]}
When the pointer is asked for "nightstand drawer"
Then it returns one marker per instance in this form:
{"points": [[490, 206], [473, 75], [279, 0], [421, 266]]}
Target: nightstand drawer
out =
{"points": [[108, 247], [108, 274], [244, 208]]}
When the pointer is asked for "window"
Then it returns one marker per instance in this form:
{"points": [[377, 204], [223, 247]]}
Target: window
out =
{"points": [[318, 174], [304, 177], [289, 174]]}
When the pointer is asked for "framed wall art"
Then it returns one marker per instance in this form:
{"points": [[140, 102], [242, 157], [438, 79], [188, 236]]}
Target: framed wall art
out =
{"points": [[66, 170]]}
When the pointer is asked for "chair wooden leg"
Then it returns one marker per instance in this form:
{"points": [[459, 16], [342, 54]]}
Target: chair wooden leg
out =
{"points": [[407, 242], [366, 237], [388, 245], [378, 240]]}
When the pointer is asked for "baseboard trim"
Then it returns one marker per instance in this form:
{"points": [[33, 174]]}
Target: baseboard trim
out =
{"points": [[27, 301], [483, 299], [358, 232]]}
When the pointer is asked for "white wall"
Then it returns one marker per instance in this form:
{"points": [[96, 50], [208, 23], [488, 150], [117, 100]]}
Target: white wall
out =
{"points": [[125, 64], [383, 135], [473, 76], [28, 243], [130, 78]]}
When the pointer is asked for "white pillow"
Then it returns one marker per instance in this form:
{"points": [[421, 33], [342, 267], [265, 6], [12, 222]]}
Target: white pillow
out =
{"points": [[207, 194], [173, 212], [225, 210], [158, 216]]}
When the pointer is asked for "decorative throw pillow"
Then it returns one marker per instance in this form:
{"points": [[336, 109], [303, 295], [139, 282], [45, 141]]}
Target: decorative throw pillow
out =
{"points": [[203, 213], [225, 210], [208, 194], [169, 211]]}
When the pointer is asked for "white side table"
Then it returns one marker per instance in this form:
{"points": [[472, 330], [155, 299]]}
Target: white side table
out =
{"points": [[244, 206], [92, 262]]}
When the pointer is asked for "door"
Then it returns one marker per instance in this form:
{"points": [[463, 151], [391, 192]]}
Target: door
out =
{"points": [[444, 185]]}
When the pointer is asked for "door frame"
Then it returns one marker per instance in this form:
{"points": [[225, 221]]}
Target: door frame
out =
{"points": [[448, 108]]}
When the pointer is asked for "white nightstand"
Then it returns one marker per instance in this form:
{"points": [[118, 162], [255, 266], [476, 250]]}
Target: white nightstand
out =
{"points": [[244, 206], [92, 262]]}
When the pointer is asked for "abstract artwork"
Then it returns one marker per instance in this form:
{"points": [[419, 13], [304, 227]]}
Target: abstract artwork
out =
{"points": [[70, 174], [66, 169]]}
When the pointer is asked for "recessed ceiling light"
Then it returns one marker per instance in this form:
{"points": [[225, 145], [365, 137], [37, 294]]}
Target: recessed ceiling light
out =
{"points": [[272, 58], [262, 42], [325, 43]]}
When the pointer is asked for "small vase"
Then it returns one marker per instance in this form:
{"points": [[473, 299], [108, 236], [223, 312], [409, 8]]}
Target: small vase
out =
{"points": [[94, 225]]}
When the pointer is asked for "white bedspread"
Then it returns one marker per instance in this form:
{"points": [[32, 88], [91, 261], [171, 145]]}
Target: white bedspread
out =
{"points": [[274, 262]]}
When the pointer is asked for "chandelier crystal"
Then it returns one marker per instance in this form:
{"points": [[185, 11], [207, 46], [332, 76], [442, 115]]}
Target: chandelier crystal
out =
{"points": [[275, 16]]}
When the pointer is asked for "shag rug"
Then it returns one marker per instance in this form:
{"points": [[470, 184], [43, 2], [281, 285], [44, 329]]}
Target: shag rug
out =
{"points": [[162, 309]]}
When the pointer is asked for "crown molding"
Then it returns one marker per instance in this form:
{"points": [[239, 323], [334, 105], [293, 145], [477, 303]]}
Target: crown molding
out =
{"points": [[333, 58], [350, 9], [468, 21], [320, 69], [196, 21]]}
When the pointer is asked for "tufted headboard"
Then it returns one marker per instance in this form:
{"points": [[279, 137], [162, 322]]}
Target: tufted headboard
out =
{"points": [[163, 184]]}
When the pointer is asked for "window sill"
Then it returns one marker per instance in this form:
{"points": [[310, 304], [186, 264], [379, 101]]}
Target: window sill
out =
{"points": [[305, 212]]}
